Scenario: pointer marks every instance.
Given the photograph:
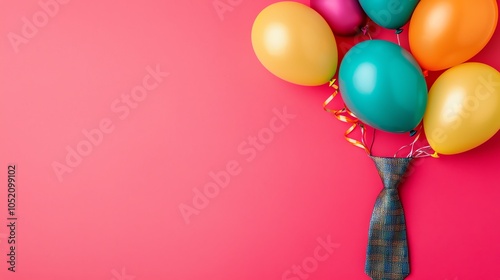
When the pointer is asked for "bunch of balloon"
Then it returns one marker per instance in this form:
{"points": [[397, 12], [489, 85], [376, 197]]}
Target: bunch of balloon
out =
{"points": [[384, 86]]}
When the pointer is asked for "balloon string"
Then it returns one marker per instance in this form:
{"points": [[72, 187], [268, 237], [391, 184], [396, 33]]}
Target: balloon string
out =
{"points": [[363, 137], [366, 31], [399, 31], [344, 115], [425, 151], [421, 152]]}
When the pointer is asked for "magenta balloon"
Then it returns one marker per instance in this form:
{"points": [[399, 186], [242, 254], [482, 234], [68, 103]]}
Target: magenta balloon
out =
{"points": [[345, 17]]}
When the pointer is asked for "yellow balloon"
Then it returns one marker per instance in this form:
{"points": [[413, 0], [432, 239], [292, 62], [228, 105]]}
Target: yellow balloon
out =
{"points": [[463, 110], [295, 43]]}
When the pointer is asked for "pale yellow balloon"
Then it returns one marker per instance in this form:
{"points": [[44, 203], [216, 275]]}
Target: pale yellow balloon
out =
{"points": [[295, 43], [463, 110]]}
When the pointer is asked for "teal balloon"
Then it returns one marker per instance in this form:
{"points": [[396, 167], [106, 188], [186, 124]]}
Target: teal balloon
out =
{"points": [[383, 85], [390, 14]]}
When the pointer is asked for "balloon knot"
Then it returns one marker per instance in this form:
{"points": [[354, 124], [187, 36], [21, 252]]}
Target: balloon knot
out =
{"points": [[413, 132], [399, 31], [364, 29], [426, 73]]}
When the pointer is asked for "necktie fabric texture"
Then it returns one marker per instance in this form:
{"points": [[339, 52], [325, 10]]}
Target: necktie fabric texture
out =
{"points": [[387, 252]]}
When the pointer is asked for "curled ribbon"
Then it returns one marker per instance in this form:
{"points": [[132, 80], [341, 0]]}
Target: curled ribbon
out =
{"points": [[344, 115], [425, 151]]}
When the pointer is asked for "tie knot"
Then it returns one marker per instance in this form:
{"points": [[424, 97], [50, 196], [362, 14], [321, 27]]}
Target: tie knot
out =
{"points": [[391, 170]]}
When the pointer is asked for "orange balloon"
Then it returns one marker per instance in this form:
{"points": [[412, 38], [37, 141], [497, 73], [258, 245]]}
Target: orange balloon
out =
{"points": [[445, 33]]}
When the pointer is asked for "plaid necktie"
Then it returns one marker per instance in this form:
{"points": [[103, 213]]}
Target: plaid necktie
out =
{"points": [[387, 253]]}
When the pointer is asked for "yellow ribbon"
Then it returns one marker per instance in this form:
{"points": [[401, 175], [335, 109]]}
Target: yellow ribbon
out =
{"points": [[350, 118]]}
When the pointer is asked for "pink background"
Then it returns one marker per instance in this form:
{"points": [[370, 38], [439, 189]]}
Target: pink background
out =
{"points": [[116, 215]]}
